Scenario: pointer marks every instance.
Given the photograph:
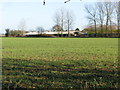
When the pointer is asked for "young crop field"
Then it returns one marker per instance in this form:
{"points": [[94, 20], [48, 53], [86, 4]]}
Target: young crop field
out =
{"points": [[60, 63]]}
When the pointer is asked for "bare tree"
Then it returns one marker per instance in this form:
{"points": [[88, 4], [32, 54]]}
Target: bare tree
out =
{"points": [[69, 21], [118, 18], [92, 15], [108, 12], [62, 18], [57, 22], [101, 15], [59, 19], [22, 25], [117, 9], [40, 30]]}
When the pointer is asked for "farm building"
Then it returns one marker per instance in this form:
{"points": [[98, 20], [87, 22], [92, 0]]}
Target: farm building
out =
{"points": [[64, 33]]}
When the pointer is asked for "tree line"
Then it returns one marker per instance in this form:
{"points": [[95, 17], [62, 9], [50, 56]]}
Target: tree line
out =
{"points": [[103, 16], [14, 33], [64, 20]]}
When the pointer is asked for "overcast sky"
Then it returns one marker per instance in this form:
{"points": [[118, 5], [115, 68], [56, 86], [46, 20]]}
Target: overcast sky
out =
{"points": [[35, 14]]}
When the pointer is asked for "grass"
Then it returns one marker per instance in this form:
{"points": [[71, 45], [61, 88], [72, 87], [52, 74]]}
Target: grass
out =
{"points": [[60, 63]]}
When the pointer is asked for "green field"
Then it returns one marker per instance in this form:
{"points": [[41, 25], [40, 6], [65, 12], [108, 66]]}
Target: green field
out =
{"points": [[60, 62]]}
